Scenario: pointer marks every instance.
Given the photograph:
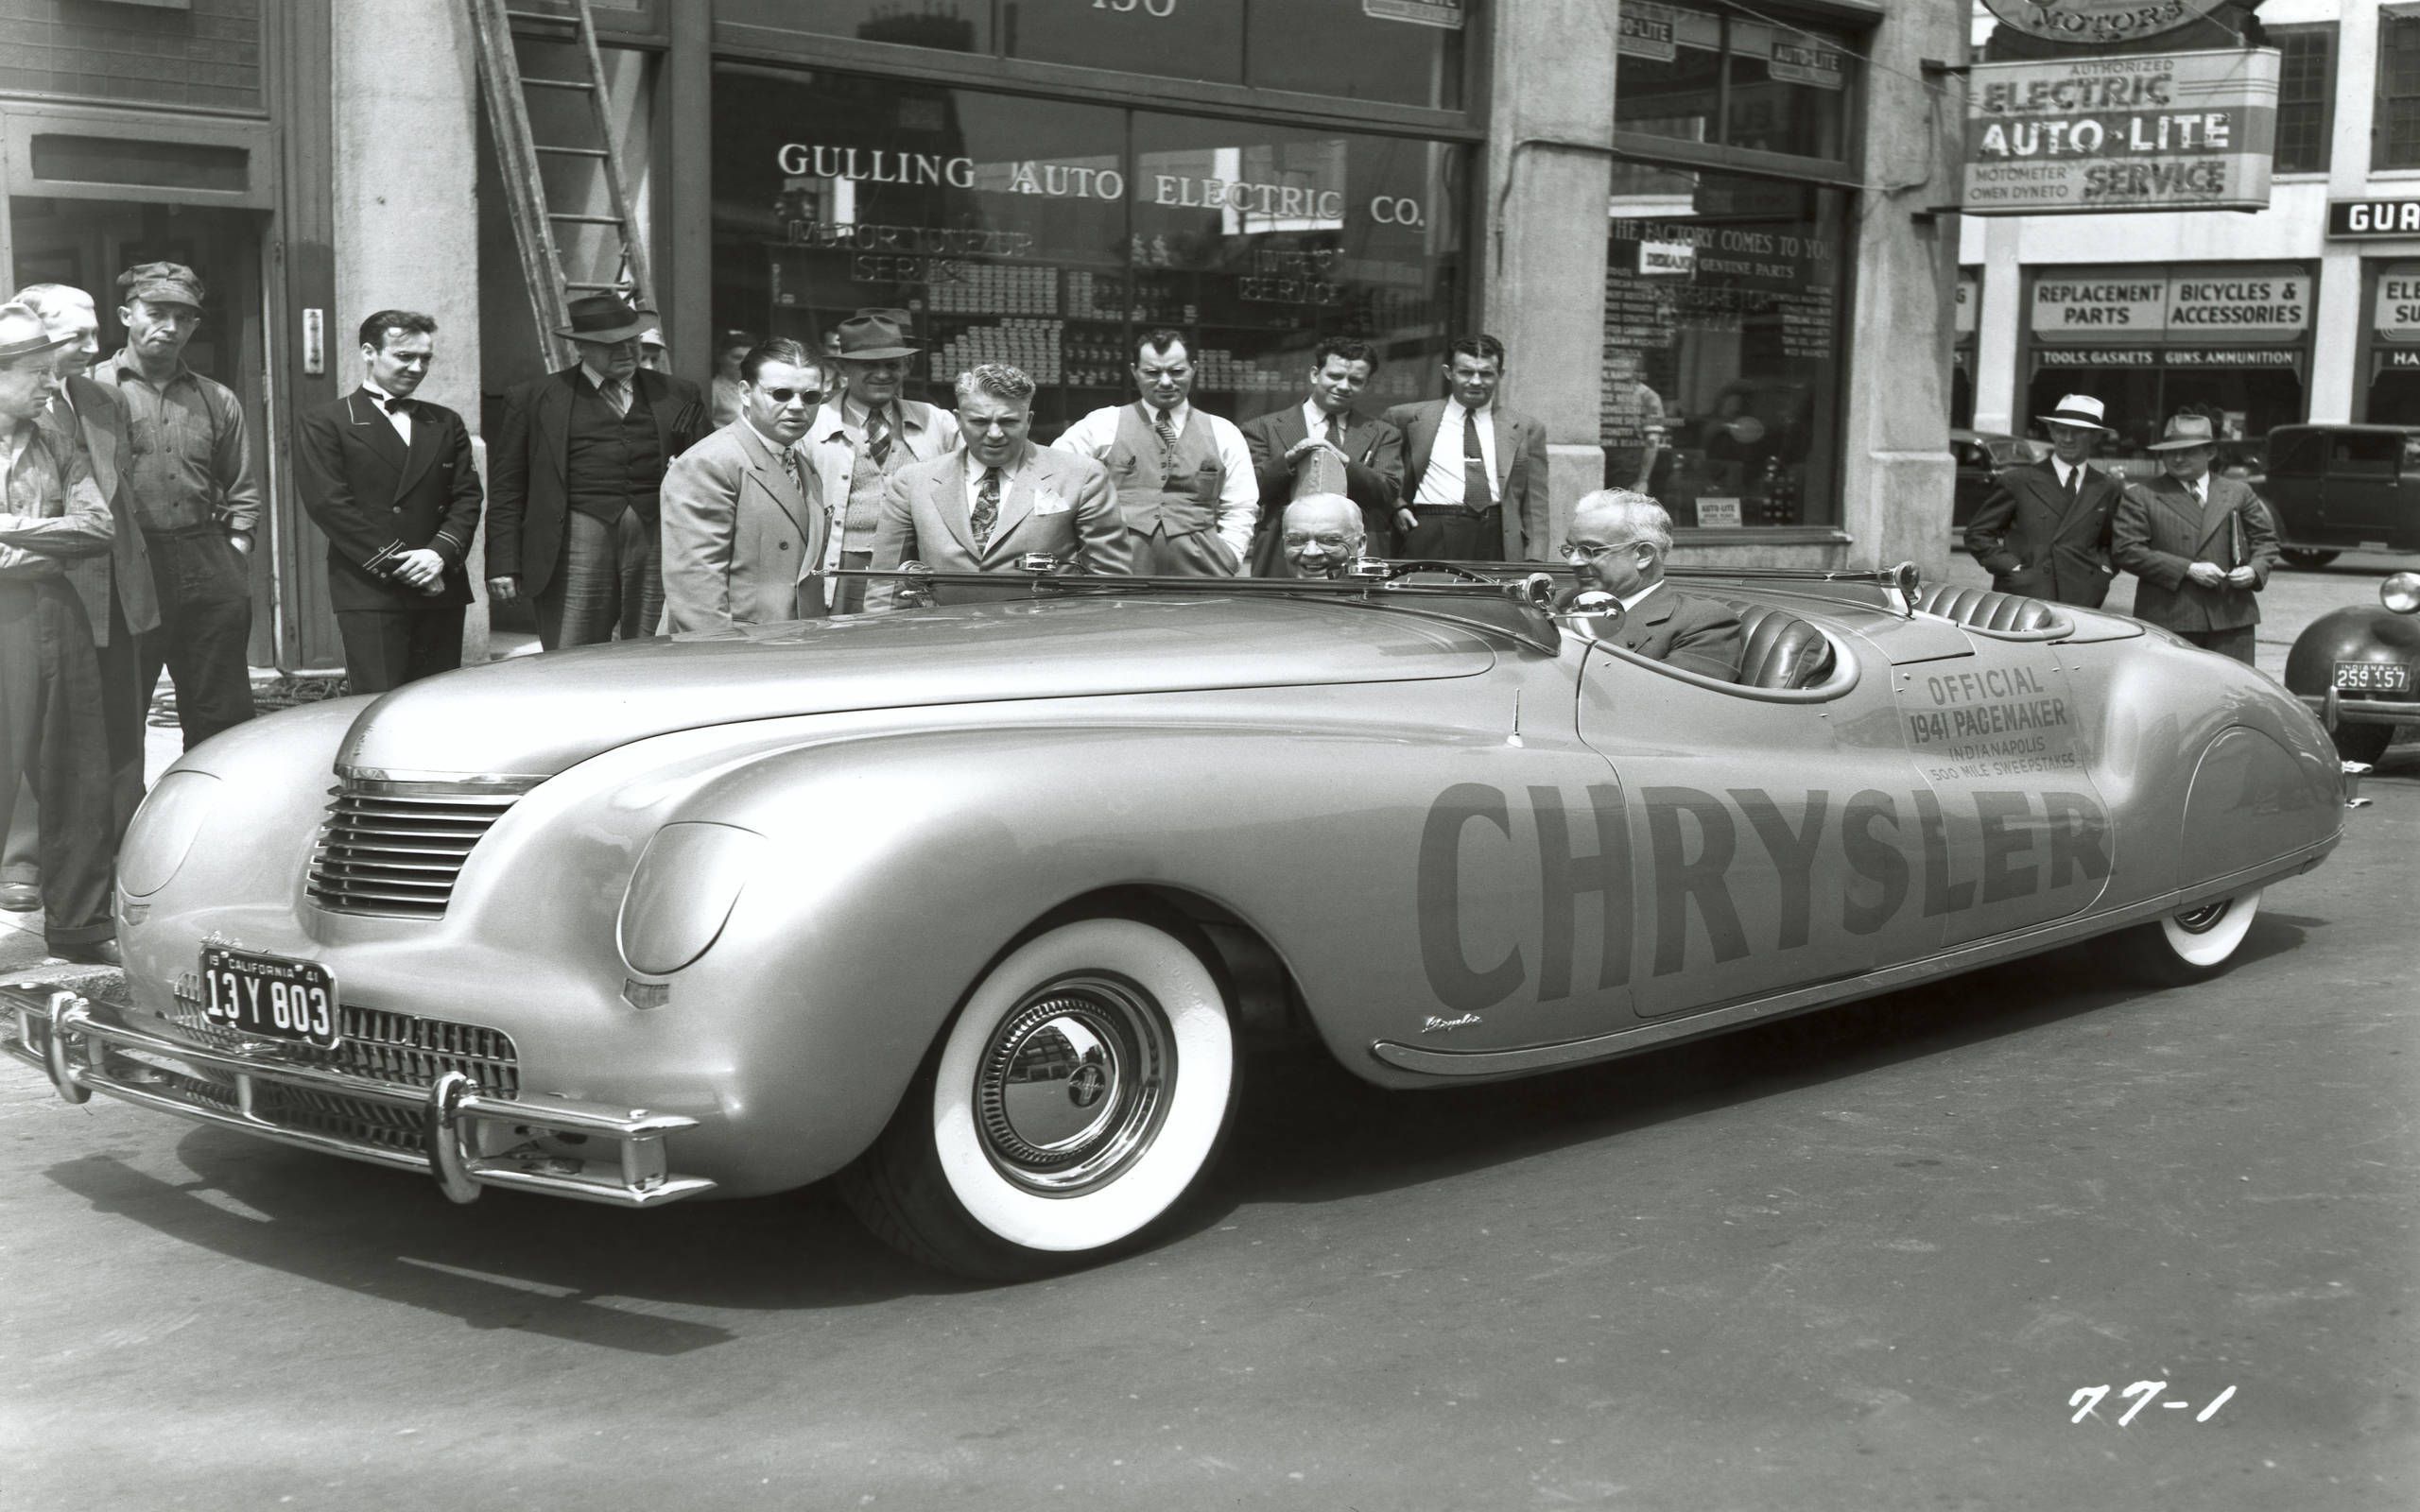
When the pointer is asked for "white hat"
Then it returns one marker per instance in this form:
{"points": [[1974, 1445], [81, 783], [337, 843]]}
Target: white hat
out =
{"points": [[2077, 409]]}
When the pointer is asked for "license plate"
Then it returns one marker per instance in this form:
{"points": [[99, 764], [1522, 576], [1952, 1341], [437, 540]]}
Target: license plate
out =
{"points": [[269, 996], [2374, 677]]}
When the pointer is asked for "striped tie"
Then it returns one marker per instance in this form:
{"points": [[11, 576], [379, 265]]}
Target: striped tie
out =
{"points": [[987, 507], [878, 435], [1164, 425]]}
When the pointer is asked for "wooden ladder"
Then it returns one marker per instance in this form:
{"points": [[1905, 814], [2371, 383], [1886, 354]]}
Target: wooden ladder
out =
{"points": [[520, 159]]}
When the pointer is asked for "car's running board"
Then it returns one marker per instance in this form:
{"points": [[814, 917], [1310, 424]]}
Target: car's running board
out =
{"points": [[1464, 1064]]}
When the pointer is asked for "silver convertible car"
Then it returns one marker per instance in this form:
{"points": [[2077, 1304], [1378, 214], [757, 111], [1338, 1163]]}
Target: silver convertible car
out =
{"points": [[972, 906]]}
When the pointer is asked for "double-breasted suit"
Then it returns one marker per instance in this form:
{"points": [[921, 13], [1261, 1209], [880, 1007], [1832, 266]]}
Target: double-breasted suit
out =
{"points": [[2034, 541], [1520, 473], [1051, 502], [2160, 531], [1373, 478], [374, 498], [742, 544]]}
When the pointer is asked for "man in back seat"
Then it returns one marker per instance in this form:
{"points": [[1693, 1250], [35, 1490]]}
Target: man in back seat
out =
{"points": [[1618, 542]]}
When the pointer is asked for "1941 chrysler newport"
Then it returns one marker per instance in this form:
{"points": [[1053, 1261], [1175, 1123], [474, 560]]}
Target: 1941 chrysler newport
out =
{"points": [[970, 905]]}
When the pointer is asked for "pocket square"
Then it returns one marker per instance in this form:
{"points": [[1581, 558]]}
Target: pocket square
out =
{"points": [[1051, 504]]}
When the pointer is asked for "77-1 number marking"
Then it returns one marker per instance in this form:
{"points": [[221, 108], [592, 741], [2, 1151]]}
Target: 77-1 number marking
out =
{"points": [[2144, 1393]]}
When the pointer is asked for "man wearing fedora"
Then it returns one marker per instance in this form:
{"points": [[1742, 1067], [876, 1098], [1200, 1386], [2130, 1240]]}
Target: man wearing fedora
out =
{"points": [[196, 497], [2202, 545], [52, 721], [2044, 532], [865, 434], [575, 477]]}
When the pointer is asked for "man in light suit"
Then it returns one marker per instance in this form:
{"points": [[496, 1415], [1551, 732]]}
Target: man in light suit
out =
{"points": [[999, 497], [1475, 473], [2045, 529], [1618, 542], [866, 432], [388, 480], [120, 602], [745, 515], [2202, 545], [1368, 452]]}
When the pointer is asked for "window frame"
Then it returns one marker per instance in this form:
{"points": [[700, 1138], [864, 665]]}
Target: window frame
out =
{"points": [[2394, 22], [2327, 34]]}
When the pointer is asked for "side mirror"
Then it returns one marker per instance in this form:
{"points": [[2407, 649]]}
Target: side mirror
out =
{"points": [[1593, 611]]}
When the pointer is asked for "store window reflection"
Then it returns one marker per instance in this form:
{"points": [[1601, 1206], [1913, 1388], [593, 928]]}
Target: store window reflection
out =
{"points": [[1701, 74]]}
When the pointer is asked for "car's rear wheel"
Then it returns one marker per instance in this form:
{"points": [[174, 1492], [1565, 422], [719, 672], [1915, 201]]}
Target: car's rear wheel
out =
{"points": [[2307, 560], [2363, 743], [2194, 943], [1074, 1101]]}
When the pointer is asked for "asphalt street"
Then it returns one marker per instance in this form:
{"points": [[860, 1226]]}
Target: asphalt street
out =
{"points": [[1862, 1259]]}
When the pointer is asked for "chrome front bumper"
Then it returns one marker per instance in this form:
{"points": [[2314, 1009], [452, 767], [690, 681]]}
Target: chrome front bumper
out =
{"points": [[466, 1140], [2333, 709]]}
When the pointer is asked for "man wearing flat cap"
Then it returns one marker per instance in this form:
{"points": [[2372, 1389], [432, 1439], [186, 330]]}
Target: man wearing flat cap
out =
{"points": [[2044, 530], [865, 434], [2202, 545], [51, 716], [575, 478], [196, 497]]}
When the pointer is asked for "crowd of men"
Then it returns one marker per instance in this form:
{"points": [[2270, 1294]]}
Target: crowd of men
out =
{"points": [[623, 501]]}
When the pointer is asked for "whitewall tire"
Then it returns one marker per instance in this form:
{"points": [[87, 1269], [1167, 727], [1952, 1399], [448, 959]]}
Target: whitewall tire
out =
{"points": [[2194, 943]]}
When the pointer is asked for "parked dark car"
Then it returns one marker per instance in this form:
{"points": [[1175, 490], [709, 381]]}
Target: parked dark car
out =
{"points": [[1980, 457], [2338, 487], [2358, 669]]}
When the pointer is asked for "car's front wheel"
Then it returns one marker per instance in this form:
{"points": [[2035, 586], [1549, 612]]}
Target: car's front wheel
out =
{"points": [[1074, 1101], [2193, 943]]}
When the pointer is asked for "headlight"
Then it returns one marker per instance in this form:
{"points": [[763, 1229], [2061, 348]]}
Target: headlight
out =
{"points": [[2402, 592], [682, 892], [163, 830]]}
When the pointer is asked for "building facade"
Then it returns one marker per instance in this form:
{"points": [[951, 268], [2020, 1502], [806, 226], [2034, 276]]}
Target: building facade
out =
{"points": [[2308, 310]]}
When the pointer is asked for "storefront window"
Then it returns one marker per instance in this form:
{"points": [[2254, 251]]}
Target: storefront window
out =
{"points": [[1746, 80], [950, 25], [2149, 339], [2394, 345], [1724, 348], [1052, 234]]}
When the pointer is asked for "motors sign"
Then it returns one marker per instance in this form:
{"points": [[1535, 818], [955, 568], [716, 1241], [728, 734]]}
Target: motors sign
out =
{"points": [[2143, 131], [2098, 21]]}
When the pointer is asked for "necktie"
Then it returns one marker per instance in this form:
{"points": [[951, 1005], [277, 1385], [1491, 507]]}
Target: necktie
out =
{"points": [[878, 435], [2075, 485], [987, 507], [1478, 490], [617, 393], [1336, 433], [798, 473], [1165, 424]]}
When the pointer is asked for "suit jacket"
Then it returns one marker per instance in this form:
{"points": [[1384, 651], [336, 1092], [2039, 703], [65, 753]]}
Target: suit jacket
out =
{"points": [[103, 426], [741, 544], [1052, 501], [2031, 543], [1373, 477], [374, 498], [1520, 470], [531, 452], [1683, 630], [2159, 532]]}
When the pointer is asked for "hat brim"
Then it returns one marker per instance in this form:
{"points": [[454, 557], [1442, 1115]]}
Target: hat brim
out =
{"points": [[2080, 424], [875, 354], [36, 349], [612, 333], [2179, 446]]}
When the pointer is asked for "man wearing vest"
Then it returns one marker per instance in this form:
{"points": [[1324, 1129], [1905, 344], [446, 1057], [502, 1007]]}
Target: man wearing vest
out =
{"points": [[1184, 479], [863, 436], [1475, 473], [575, 477]]}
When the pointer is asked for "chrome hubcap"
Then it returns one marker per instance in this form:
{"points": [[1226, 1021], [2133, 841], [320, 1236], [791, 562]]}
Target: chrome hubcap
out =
{"points": [[1074, 1084], [2204, 919]]}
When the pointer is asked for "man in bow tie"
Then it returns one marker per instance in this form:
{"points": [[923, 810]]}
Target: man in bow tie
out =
{"points": [[577, 470], [2202, 545], [388, 479]]}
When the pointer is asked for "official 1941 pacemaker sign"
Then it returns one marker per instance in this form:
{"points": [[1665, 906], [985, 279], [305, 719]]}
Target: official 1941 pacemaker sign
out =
{"points": [[968, 905]]}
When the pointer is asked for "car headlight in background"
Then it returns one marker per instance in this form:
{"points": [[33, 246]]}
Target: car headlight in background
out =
{"points": [[2402, 592], [163, 830], [682, 893]]}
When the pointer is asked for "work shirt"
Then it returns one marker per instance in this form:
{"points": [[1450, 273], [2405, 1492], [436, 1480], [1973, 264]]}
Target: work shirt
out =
{"points": [[51, 506], [191, 463], [1442, 482]]}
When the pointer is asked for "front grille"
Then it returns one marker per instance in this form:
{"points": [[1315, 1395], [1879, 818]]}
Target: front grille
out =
{"points": [[394, 848], [383, 1046]]}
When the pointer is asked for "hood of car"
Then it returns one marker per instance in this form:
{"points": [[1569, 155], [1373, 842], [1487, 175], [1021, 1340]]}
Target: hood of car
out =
{"points": [[539, 715]]}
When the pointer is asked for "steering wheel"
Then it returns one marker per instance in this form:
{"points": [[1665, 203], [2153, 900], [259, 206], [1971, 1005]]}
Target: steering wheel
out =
{"points": [[1404, 569]]}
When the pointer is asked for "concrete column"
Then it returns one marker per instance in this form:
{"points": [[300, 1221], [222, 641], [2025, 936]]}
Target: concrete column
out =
{"points": [[1997, 381], [406, 217], [1549, 175], [1899, 476]]}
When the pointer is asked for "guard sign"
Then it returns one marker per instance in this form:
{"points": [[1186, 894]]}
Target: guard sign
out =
{"points": [[2140, 132]]}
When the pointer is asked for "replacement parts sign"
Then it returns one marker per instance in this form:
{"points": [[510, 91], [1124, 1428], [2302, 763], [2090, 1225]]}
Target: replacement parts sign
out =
{"points": [[2147, 131]]}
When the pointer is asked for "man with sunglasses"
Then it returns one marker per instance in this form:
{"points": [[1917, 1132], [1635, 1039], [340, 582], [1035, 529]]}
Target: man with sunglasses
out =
{"points": [[1618, 543], [747, 511]]}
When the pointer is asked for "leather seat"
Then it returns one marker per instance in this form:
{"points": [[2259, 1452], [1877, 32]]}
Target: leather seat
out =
{"points": [[1985, 611], [1780, 650]]}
